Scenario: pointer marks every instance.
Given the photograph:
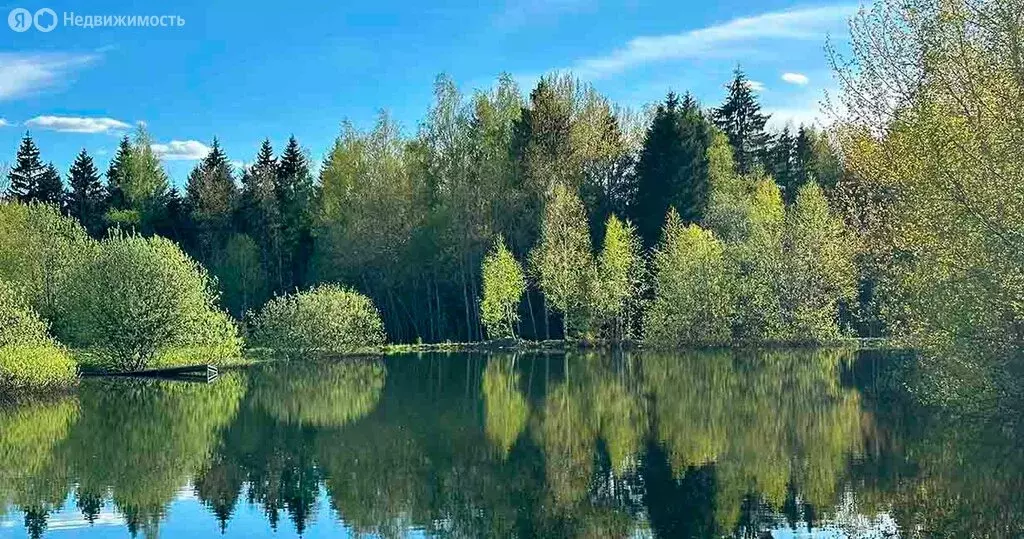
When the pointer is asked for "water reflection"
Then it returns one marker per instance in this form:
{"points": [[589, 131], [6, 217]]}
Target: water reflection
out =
{"points": [[703, 444]]}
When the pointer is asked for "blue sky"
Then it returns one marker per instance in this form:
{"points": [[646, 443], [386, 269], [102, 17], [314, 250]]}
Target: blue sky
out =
{"points": [[243, 71]]}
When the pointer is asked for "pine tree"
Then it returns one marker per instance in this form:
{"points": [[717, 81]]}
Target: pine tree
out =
{"points": [[48, 189], [86, 199], [673, 167], [741, 119], [293, 188], [25, 174]]}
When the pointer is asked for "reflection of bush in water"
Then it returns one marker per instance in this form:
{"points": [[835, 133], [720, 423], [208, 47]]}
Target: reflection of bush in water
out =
{"points": [[29, 436], [144, 439], [763, 419], [506, 409], [321, 394]]}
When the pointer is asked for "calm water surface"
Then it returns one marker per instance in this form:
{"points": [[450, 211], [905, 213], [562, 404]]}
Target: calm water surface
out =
{"points": [[717, 444]]}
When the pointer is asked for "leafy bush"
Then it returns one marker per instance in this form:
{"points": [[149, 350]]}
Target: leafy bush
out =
{"points": [[620, 280], [327, 319], [136, 298], [693, 300], [29, 359], [503, 287]]}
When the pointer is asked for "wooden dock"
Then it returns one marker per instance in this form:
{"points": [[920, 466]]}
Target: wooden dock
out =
{"points": [[191, 373]]}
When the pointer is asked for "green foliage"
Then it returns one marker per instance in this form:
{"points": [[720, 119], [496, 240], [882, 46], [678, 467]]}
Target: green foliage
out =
{"points": [[819, 272], [621, 275], [241, 275], [741, 120], [693, 295], [86, 199], [503, 286], [29, 359], [138, 185], [759, 260], [320, 394], [328, 319], [563, 263], [137, 296]]}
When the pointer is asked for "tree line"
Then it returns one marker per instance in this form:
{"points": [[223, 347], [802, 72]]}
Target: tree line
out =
{"points": [[409, 220]]}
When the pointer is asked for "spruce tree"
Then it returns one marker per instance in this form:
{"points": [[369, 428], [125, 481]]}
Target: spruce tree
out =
{"points": [[48, 189], [781, 163], [212, 195], [116, 174], [293, 188], [741, 120], [25, 174], [258, 213], [673, 167], [86, 199]]}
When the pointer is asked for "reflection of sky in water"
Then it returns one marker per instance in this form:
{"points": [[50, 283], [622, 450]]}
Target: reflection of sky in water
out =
{"points": [[186, 517]]}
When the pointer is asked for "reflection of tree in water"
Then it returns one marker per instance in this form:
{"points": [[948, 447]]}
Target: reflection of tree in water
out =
{"points": [[319, 394], [505, 407], [764, 420], [31, 477]]}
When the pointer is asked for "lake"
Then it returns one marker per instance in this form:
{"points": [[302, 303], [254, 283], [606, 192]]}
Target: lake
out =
{"points": [[780, 443]]}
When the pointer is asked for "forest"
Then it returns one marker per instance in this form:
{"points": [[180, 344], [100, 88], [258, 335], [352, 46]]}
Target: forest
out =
{"points": [[560, 215]]}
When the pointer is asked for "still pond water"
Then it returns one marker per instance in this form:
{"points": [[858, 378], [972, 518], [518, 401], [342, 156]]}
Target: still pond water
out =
{"points": [[773, 444]]}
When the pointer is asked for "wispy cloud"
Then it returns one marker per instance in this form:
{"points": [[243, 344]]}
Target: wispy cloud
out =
{"points": [[181, 150], [77, 124], [4, 123], [23, 74], [755, 85], [795, 78], [811, 23]]}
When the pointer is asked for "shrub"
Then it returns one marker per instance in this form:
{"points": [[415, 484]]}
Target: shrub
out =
{"points": [[692, 297], [139, 297], [620, 280], [328, 319], [29, 359], [503, 287]]}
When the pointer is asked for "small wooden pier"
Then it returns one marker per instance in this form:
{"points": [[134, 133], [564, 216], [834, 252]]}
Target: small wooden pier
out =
{"points": [[191, 373]]}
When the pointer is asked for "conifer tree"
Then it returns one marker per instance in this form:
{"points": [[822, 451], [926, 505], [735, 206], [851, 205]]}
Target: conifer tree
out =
{"points": [[741, 120], [258, 212], [27, 170], [293, 188], [211, 195], [117, 172], [782, 164], [86, 199], [673, 167], [48, 189]]}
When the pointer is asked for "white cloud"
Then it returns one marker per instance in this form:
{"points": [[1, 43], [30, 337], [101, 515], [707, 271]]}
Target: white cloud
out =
{"points": [[4, 123], [797, 24], [794, 117], [181, 150], [23, 74], [795, 78], [76, 124], [756, 86]]}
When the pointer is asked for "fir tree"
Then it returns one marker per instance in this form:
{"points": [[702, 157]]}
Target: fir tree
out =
{"points": [[86, 198], [212, 194], [741, 120], [26, 172], [673, 167]]}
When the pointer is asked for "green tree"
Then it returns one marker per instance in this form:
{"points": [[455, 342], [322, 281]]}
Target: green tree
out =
{"points": [[621, 273], [672, 170], [211, 195], [693, 296], [760, 264], [138, 185], [86, 199], [240, 274], [24, 176], [741, 120], [258, 214], [503, 286], [782, 162], [563, 263], [819, 272], [293, 187], [49, 189], [30, 360]]}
